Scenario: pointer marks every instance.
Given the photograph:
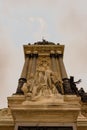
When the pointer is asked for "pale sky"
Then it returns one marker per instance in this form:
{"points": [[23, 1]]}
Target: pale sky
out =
{"points": [[28, 21]]}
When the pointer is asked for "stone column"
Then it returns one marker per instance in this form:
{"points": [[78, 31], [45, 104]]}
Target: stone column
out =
{"points": [[58, 68], [53, 61], [23, 77], [54, 64], [66, 81], [62, 67], [34, 61], [29, 67]]}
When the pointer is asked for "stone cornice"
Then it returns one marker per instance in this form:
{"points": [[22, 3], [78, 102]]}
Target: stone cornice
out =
{"points": [[43, 48]]}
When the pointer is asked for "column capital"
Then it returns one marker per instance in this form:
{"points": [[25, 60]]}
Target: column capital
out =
{"points": [[28, 55], [35, 54], [52, 54], [59, 53]]}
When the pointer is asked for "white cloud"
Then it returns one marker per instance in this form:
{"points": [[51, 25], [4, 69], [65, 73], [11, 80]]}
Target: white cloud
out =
{"points": [[40, 30]]}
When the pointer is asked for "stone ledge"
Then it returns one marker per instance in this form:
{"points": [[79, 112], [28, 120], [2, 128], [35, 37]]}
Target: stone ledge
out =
{"points": [[45, 113]]}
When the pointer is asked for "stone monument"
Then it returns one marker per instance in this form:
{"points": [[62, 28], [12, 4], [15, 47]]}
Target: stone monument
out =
{"points": [[46, 98]]}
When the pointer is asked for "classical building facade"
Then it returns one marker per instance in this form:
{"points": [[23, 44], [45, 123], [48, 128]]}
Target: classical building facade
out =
{"points": [[46, 98]]}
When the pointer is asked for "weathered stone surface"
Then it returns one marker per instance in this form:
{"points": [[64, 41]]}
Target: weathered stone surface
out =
{"points": [[6, 119]]}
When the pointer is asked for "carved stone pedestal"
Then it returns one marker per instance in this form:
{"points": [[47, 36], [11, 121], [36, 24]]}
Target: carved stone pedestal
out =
{"points": [[61, 113]]}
